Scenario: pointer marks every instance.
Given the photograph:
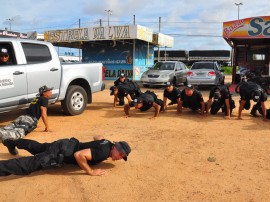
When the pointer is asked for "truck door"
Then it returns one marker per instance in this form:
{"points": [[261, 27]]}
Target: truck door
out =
{"points": [[42, 69], [13, 85]]}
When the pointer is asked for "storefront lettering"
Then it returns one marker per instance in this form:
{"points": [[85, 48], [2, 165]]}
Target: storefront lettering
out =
{"points": [[99, 33], [119, 32], [68, 35], [229, 30], [260, 27], [116, 73]]}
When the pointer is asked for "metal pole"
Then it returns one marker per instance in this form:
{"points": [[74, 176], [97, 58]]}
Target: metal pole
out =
{"points": [[80, 48], [134, 20], [109, 13], [10, 19], [159, 32], [238, 5]]}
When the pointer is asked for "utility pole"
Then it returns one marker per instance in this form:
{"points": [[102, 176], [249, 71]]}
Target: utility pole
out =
{"points": [[80, 43], [238, 5], [134, 20], [10, 20], [109, 13], [159, 22]]}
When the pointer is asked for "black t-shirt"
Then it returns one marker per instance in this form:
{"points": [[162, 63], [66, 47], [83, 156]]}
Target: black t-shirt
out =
{"points": [[100, 151], [147, 99], [174, 95], [34, 108], [194, 100], [126, 88], [224, 92], [247, 88], [118, 82]]}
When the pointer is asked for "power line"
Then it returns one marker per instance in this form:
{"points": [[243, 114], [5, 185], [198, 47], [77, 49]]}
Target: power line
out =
{"points": [[194, 35]]}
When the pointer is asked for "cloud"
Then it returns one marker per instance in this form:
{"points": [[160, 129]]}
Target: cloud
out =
{"points": [[188, 20]]}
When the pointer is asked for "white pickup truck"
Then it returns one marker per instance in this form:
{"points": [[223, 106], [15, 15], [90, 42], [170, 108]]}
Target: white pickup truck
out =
{"points": [[36, 63]]}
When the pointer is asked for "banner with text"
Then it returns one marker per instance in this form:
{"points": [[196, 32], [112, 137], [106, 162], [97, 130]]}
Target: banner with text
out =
{"points": [[254, 27], [100, 33]]}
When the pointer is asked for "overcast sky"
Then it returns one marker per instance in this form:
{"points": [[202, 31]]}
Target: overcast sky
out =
{"points": [[194, 24]]}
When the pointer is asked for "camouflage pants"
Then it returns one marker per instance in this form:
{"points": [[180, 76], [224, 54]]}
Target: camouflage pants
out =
{"points": [[18, 128]]}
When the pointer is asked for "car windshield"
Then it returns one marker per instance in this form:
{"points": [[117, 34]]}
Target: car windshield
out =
{"points": [[203, 66], [163, 66]]}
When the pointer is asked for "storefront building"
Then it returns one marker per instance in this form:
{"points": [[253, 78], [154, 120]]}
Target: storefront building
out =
{"points": [[128, 49], [250, 42]]}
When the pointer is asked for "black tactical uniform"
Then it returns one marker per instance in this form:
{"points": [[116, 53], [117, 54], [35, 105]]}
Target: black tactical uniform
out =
{"points": [[127, 88], [131, 88], [220, 94], [173, 96], [147, 99], [252, 91], [192, 102], [118, 81], [48, 155], [116, 84]]}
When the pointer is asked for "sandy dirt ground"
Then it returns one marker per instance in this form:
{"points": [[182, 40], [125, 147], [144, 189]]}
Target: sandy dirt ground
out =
{"points": [[174, 157]]}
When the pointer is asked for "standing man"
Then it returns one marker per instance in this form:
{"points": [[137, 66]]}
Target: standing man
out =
{"points": [[4, 57], [222, 100], [24, 124], [252, 91], [192, 99], [173, 94], [146, 101], [70, 151]]}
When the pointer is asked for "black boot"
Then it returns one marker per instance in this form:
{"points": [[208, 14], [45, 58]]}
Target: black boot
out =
{"points": [[10, 144], [254, 112]]}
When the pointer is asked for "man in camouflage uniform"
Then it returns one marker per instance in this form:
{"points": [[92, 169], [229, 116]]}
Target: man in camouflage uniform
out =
{"points": [[24, 124]]}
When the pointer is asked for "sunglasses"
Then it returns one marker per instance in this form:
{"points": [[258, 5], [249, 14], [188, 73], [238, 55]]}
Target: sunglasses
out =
{"points": [[4, 56]]}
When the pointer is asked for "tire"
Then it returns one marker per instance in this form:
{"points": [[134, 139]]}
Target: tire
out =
{"points": [[75, 101]]}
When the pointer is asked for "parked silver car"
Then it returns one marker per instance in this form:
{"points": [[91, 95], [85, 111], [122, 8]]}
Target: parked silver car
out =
{"points": [[164, 71], [205, 73]]}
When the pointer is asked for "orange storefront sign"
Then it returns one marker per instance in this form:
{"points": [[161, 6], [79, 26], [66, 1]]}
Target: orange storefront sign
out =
{"points": [[255, 27]]}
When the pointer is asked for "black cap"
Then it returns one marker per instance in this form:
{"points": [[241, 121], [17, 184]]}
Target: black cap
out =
{"points": [[189, 86], [169, 84], [112, 89], [123, 147], [3, 51], [122, 75], [44, 89]]}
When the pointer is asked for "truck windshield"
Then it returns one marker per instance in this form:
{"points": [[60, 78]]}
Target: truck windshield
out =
{"points": [[205, 65], [163, 66]]}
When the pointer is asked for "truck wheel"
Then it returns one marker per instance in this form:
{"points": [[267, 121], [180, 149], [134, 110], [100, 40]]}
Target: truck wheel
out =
{"points": [[75, 101]]}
